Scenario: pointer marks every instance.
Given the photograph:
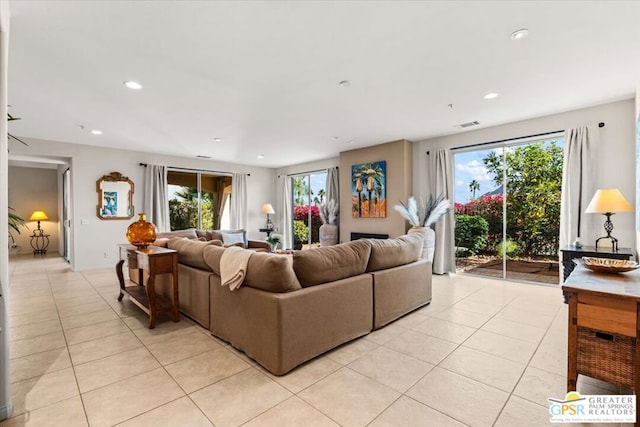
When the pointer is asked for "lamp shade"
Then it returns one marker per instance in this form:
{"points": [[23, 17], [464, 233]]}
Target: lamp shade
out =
{"points": [[268, 209], [608, 201], [38, 216]]}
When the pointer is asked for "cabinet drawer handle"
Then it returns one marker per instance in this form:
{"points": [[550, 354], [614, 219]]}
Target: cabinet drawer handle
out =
{"points": [[604, 336]]}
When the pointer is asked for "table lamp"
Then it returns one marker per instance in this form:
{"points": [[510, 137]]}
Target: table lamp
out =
{"points": [[608, 202], [38, 216], [268, 210]]}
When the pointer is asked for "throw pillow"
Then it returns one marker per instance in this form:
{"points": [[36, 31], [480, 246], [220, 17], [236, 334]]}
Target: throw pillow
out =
{"points": [[231, 238], [217, 234], [331, 263], [388, 253], [271, 273]]}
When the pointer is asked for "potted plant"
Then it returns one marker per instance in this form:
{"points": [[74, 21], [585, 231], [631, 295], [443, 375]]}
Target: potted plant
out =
{"points": [[15, 222], [329, 228], [422, 218], [273, 240]]}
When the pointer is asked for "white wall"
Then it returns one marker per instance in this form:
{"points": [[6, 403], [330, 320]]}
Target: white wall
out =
{"points": [[615, 154], [94, 244], [637, 158]]}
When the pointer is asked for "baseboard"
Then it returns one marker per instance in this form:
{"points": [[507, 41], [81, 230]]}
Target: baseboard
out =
{"points": [[6, 411]]}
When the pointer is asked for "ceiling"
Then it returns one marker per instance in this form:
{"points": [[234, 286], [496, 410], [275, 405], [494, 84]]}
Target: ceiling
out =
{"points": [[264, 76]]}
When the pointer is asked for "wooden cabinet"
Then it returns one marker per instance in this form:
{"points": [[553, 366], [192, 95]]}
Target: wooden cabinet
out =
{"points": [[603, 327], [149, 262]]}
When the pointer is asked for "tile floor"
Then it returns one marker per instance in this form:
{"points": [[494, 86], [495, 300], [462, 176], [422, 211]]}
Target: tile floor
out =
{"points": [[483, 353]]}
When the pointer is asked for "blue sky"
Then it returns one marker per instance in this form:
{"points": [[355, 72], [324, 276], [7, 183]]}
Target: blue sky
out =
{"points": [[469, 166]]}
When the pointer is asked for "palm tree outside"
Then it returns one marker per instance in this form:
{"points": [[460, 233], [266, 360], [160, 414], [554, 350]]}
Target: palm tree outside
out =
{"points": [[474, 186]]}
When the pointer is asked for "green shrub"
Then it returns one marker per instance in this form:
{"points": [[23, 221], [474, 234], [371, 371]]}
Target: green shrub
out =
{"points": [[512, 249], [471, 233], [300, 231]]}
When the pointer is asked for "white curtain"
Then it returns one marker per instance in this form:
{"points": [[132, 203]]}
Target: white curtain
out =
{"points": [[156, 197], [333, 185], [440, 176], [5, 401], [239, 214], [333, 188], [578, 185], [285, 208]]}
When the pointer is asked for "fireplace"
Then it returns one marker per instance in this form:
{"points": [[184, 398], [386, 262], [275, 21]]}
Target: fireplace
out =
{"points": [[356, 236]]}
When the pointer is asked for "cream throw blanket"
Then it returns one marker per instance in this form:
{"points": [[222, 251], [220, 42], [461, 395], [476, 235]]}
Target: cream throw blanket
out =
{"points": [[233, 266]]}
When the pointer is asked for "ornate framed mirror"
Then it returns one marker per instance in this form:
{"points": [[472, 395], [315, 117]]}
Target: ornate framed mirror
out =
{"points": [[115, 197]]}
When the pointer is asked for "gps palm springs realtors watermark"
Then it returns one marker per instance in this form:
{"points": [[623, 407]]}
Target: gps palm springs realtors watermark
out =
{"points": [[593, 408]]}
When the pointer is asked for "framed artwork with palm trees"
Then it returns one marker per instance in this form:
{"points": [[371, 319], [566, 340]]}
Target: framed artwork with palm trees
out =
{"points": [[368, 190]]}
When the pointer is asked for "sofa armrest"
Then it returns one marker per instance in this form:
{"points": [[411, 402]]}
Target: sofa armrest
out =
{"points": [[259, 244]]}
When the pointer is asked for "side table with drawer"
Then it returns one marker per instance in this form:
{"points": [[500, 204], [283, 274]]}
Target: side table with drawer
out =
{"points": [[604, 311]]}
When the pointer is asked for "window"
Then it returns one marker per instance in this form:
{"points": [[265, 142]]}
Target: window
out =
{"points": [[198, 200]]}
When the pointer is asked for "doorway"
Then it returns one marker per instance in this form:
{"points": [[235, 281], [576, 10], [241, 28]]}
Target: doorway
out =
{"points": [[37, 183], [507, 210]]}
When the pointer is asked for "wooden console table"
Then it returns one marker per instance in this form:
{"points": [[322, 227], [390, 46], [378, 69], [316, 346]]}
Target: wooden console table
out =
{"points": [[154, 261], [604, 322]]}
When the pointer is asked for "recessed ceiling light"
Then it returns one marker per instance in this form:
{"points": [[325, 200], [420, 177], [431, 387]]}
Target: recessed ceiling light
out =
{"points": [[217, 139], [96, 132], [345, 83], [133, 85], [519, 34], [491, 96], [261, 156]]}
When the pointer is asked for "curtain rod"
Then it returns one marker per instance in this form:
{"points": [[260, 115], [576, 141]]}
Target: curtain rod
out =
{"points": [[601, 125], [308, 172], [195, 170]]}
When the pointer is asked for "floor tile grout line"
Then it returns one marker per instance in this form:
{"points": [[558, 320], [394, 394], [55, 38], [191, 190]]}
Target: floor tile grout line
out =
{"points": [[73, 369], [461, 344], [161, 366], [379, 345], [558, 310]]}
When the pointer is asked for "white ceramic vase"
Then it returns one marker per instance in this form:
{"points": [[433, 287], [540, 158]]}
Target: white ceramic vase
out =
{"points": [[429, 240], [328, 235]]}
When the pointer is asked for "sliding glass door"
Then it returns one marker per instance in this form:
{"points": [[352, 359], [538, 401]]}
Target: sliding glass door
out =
{"points": [[198, 200], [308, 192], [508, 210]]}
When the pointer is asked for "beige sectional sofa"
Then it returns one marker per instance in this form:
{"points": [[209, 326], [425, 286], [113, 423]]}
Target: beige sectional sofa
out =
{"points": [[292, 308], [195, 278]]}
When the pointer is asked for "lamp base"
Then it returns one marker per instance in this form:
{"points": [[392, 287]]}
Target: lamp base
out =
{"points": [[614, 242]]}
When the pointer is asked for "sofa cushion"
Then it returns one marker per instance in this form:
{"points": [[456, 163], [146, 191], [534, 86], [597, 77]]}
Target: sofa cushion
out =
{"points": [[271, 272], [331, 263], [266, 271], [388, 253], [212, 255], [190, 252]]}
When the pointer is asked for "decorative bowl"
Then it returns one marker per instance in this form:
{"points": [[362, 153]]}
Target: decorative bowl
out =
{"points": [[606, 265]]}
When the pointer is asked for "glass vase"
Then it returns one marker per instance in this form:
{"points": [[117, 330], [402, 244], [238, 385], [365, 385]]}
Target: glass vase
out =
{"points": [[141, 233]]}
